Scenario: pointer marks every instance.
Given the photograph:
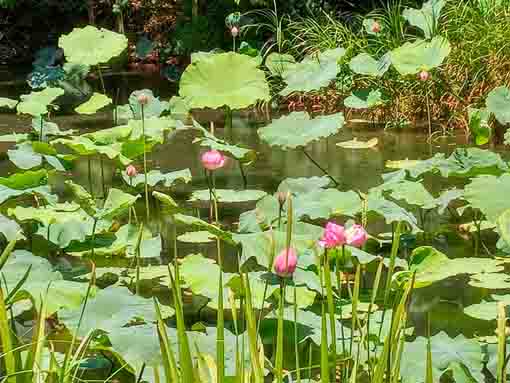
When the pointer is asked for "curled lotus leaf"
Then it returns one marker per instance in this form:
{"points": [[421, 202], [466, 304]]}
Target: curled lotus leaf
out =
{"points": [[426, 18], [96, 102], [479, 125], [498, 103], [365, 64], [155, 177]]}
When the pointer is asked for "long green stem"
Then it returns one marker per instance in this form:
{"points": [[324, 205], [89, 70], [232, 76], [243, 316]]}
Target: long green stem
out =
{"points": [[101, 79], [94, 237], [91, 188], [331, 304], [339, 291], [279, 334], [296, 345], [147, 208], [137, 255], [6, 341]]}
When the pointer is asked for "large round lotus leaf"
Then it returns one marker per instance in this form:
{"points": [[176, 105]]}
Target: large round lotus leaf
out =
{"points": [[313, 73], [427, 17], [326, 203], [36, 103], [278, 63], [498, 102], [487, 310], [226, 79], [298, 130], [96, 102], [364, 99], [92, 46], [411, 58], [367, 65], [489, 194]]}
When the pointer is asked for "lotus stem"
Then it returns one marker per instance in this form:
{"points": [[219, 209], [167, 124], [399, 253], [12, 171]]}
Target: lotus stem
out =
{"points": [[243, 174], [339, 290], [41, 129], [102, 176], [220, 335], [331, 305], [140, 375], [321, 168], [147, 208], [296, 346], [94, 237], [101, 79], [6, 341], [279, 334], [137, 255], [91, 189]]}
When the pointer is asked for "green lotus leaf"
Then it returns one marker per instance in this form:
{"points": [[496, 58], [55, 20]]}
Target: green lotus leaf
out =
{"points": [[10, 229], [196, 237], [8, 103], [179, 107], [498, 102], [263, 216], [155, 128], [489, 194], [155, 177], [17, 138], [327, 203], [487, 310], [111, 135], [446, 197], [364, 99], [365, 64], [116, 203], [229, 196], [504, 225], [490, 281], [258, 282], [92, 46], [30, 155], [49, 129], [109, 310], [298, 130], [426, 18], [368, 25], [86, 147], [153, 109], [355, 144], [414, 193], [445, 352], [29, 182], [479, 125], [225, 79], [303, 185], [36, 103], [96, 102], [168, 202], [279, 63], [377, 204], [198, 224], [412, 58], [433, 266], [305, 297], [313, 73]]}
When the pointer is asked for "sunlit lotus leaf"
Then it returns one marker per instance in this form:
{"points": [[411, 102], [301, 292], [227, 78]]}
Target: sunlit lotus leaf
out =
{"points": [[92, 46], [86, 147], [15, 137], [154, 107], [412, 58], [279, 63], [179, 107], [445, 352], [498, 102], [355, 144], [225, 79], [29, 182], [402, 164], [489, 194], [10, 229], [298, 130], [303, 185], [111, 135], [479, 125], [433, 266], [116, 203], [327, 203], [229, 196], [96, 102], [490, 281], [155, 128], [487, 310], [365, 64], [364, 99], [313, 73], [8, 103], [196, 237], [42, 281], [258, 282], [109, 310], [446, 197], [198, 224], [49, 129], [503, 223], [36, 103], [305, 297], [168, 202], [426, 18], [30, 155], [368, 24], [155, 177]]}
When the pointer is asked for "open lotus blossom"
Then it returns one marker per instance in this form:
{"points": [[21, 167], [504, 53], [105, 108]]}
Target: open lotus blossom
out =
{"points": [[424, 75], [212, 160], [376, 27], [131, 171], [333, 236], [234, 31], [285, 263], [143, 99], [356, 236]]}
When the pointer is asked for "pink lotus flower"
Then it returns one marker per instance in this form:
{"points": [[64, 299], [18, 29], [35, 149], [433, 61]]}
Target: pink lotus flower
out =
{"points": [[285, 263], [212, 160], [143, 99], [376, 27], [234, 31], [356, 236], [333, 236], [424, 75], [131, 171]]}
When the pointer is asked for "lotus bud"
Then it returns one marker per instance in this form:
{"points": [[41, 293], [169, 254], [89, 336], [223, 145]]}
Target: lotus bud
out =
{"points": [[424, 75], [285, 263], [376, 27], [131, 171], [143, 99], [281, 197], [333, 236], [212, 160], [234, 31], [356, 236]]}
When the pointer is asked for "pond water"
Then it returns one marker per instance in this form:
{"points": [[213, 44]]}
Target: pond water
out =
{"points": [[354, 169]]}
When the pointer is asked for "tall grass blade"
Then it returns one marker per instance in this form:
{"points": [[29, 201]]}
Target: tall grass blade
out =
{"points": [[6, 341], [169, 362]]}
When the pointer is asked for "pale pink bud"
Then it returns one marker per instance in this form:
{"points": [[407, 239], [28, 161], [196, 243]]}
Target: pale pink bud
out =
{"points": [[333, 236], [285, 263], [376, 27], [356, 236], [234, 31], [282, 198], [424, 75], [131, 171], [213, 160], [143, 99]]}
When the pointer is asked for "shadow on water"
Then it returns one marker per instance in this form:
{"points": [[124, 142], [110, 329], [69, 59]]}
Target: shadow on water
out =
{"points": [[355, 169]]}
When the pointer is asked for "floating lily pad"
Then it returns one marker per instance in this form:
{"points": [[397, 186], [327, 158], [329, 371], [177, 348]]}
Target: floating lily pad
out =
{"points": [[498, 102], [364, 99], [327, 203], [426, 18], [229, 196], [96, 102], [229, 79], [365, 64], [355, 144], [196, 237], [490, 281], [298, 130], [201, 225], [412, 58], [487, 310]]}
